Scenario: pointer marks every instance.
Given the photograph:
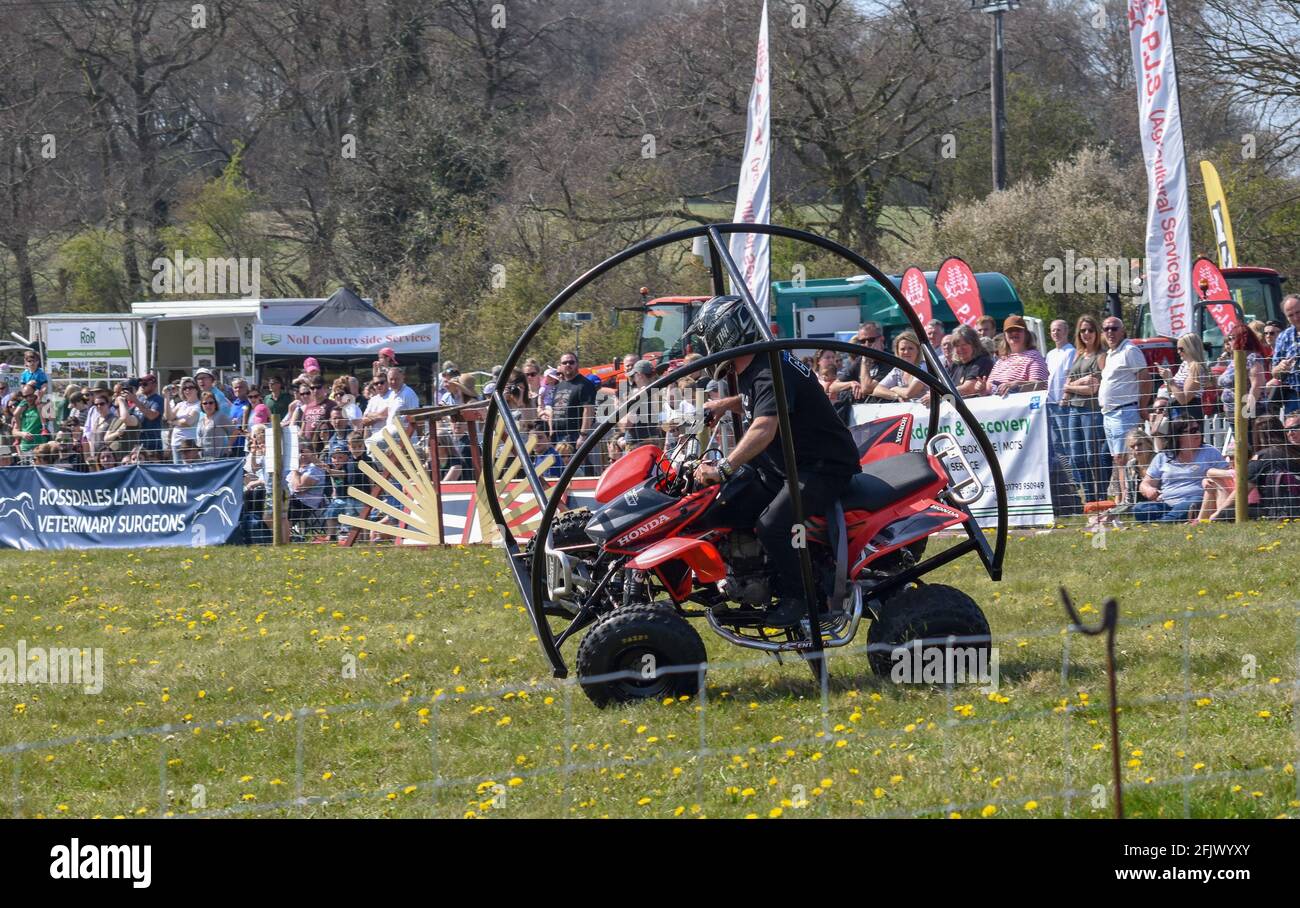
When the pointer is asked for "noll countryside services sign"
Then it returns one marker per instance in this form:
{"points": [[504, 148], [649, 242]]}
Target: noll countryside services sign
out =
{"points": [[125, 507], [291, 340]]}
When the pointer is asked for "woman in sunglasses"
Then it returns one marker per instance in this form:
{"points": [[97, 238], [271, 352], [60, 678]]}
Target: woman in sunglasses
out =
{"points": [[212, 434], [181, 413]]}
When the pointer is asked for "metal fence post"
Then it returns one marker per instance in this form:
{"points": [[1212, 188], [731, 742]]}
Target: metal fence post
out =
{"points": [[277, 472]]}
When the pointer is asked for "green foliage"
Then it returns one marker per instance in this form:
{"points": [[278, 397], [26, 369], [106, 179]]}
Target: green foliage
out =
{"points": [[217, 220], [91, 272], [1044, 128], [1086, 207]]}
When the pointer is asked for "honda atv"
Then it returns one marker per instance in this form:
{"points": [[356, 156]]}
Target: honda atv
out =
{"points": [[656, 551]]}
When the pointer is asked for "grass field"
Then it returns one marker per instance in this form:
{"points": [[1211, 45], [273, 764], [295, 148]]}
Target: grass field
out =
{"points": [[194, 639]]}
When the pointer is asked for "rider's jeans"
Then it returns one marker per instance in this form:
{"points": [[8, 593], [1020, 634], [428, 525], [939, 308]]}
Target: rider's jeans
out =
{"points": [[818, 493]]}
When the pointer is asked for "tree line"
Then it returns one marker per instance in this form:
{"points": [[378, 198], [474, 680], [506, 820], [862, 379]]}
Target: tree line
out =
{"points": [[460, 161]]}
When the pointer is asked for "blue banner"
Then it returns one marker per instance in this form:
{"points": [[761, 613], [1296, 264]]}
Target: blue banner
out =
{"points": [[125, 507]]}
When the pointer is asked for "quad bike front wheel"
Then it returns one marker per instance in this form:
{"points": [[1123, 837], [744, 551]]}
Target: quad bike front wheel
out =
{"points": [[928, 613], [639, 643]]}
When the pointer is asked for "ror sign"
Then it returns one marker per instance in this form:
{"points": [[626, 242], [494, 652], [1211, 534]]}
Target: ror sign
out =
{"points": [[309, 340]]}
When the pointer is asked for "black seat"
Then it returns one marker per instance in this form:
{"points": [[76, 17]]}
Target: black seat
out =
{"points": [[887, 481]]}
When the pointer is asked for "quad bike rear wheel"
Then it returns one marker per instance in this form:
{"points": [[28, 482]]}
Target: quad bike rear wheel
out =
{"points": [[642, 641], [925, 613]]}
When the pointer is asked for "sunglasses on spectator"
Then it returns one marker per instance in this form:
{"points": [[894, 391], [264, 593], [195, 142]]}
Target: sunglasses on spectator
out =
{"points": [[1109, 328], [189, 387], [1087, 329], [303, 392], [209, 403], [568, 362]]}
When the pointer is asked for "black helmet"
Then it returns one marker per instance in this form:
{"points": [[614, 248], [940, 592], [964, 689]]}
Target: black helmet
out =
{"points": [[723, 323]]}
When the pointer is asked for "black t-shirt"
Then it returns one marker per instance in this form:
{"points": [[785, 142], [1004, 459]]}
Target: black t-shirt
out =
{"points": [[566, 407], [822, 444], [843, 402], [979, 367], [1276, 459]]}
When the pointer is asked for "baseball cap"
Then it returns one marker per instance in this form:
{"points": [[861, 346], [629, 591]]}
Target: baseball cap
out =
{"points": [[388, 351], [337, 446], [449, 368], [644, 366], [261, 413], [203, 370], [310, 363], [1014, 321], [553, 374], [148, 376]]}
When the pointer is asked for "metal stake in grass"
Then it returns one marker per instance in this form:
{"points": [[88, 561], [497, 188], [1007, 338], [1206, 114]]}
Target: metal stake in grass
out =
{"points": [[1108, 626]]}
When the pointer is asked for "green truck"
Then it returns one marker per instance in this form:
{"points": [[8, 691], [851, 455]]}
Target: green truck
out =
{"points": [[828, 307]]}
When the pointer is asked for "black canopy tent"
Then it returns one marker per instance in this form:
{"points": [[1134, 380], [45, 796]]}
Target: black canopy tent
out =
{"points": [[344, 309]]}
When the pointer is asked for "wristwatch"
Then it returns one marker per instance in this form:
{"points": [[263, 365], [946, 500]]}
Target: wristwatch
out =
{"points": [[724, 468]]}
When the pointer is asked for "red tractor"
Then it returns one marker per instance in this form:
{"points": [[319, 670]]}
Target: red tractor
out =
{"points": [[663, 329]]}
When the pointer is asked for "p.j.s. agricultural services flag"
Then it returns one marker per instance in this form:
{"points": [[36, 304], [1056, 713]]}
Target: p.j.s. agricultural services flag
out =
{"points": [[1213, 287], [956, 282], [125, 507], [1168, 247], [917, 293], [754, 194]]}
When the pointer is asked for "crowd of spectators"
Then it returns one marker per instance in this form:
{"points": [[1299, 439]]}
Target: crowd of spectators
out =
{"points": [[1119, 433]]}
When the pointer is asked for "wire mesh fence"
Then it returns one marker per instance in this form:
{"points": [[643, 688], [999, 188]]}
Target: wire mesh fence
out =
{"points": [[1218, 734]]}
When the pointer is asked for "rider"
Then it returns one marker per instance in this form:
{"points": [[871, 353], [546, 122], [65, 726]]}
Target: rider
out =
{"points": [[825, 452]]}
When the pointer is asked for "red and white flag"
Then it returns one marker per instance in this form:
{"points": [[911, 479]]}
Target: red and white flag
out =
{"points": [[1169, 248], [917, 293], [753, 195], [1206, 274], [960, 290]]}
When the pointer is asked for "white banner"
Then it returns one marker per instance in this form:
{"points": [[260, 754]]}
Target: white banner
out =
{"points": [[1169, 250], [754, 194], [1017, 427], [88, 351], [288, 340]]}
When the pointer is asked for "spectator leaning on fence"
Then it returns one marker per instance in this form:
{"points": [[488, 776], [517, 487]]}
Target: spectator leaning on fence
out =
{"points": [[151, 407], [1059, 361], [1124, 389], [1286, 357], [1256, 381], [1174, 483], [212, 434], [970, 365], [899, 385], [28, 425], [1023, 367], [1184, 387], [182, 416]]}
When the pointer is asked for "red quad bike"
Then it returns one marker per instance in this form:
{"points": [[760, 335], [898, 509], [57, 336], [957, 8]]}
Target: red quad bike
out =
{"points": [[656, 551]]}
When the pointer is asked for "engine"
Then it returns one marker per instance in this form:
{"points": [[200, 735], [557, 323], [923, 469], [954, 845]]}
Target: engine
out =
{"points": [[747, 570]]}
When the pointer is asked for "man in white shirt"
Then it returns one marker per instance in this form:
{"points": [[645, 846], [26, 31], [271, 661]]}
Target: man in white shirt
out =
{"points": [[378, 410], [401, 396], [1125, 389], [1059, 361]]}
